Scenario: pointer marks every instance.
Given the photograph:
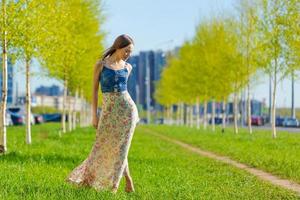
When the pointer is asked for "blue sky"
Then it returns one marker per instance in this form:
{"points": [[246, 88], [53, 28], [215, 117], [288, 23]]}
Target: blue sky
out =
{"points": [[159, 23], [165, 24]]}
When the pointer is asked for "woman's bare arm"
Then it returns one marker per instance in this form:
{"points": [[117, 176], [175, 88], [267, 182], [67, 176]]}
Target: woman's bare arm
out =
{"points": [[97, 70], [129, 67]]}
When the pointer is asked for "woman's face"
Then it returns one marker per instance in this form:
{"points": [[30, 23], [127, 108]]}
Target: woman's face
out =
{"points": [[125, 52]]}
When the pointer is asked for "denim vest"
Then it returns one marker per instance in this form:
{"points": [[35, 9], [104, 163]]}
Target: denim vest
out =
{"points": [[112, 80]]}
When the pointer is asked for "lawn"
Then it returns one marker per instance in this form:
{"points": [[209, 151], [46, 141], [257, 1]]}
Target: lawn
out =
{"points": [[160, 170], [280, 156]]}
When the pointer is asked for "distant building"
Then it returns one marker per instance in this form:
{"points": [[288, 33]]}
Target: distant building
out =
{"points": [[159, 64], [21, 100], [256, 107], [57, 102], [10, 76], [53, 90], [51, 101], [155, 61], [132, 86]]}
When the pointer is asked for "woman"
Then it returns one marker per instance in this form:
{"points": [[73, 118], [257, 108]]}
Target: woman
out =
{"points": [[107, 161]]}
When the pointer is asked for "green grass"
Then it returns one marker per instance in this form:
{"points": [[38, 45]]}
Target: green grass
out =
{"points": [[280, 156], [160, 170]]}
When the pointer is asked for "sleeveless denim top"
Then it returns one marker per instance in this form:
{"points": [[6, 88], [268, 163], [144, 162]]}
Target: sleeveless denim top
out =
{"points": [[112, 80]]}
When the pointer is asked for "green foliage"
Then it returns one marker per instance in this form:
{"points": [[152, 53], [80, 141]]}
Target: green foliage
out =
{"points": [[272, 40], [72, 42], [208, 66], [292, 34], [65, 36], [226, 53]]}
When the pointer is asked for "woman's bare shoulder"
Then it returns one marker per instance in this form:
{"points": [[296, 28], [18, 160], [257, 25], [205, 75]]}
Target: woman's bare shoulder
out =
{"points": [[99, 64]]}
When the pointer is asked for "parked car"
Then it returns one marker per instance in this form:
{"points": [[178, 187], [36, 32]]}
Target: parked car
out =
{"points": [[279, 121], [218, 120], [54, 117], [18, 115], [257, 120], [17, 119], [38, 119], [290, 122]]}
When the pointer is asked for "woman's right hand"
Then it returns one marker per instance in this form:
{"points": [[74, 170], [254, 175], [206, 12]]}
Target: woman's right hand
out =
{"points": [[95, 122]]}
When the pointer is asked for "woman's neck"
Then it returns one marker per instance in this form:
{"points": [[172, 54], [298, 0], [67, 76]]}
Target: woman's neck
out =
{"points": [[114, 59]]}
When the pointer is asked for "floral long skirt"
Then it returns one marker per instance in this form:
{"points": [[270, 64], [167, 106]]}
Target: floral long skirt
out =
{"points": [[105, 165]]}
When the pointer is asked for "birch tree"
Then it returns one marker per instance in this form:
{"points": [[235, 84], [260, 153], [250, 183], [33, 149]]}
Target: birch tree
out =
{"points": [[272, 39], [8, 13]]}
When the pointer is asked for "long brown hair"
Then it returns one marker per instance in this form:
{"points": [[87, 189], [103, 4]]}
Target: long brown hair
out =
{"points": [[120, 42]]}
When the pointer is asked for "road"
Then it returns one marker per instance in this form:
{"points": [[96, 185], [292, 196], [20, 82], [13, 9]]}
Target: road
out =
{"points": [[268, 127]]}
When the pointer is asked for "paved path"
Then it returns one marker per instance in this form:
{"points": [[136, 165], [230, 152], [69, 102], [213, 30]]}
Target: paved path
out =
{"points": [[257, 172]]}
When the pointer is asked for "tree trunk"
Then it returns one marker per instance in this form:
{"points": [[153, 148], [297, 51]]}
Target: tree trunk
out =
{"points": [[63, 117], [81, 114], [167, 115], [164, 114], [178, 114], [84, 114], [3, 144], [69, 113], [172, 114], [270, 98], [198, 112], [191, 116], [205, 115], [28, 103], [182, 114], [89, 110], [224, 115], [188, 115], [274, 135], [74, 110], [86, 111], [213, 103], [235, 115], [249, 108], [293, 111]]}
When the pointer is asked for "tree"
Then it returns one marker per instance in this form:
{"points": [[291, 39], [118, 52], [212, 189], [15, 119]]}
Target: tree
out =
{"points": [[248, 35], [292, 40], [29, 28], [8, 12], [72, 46], [272, 40]]}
